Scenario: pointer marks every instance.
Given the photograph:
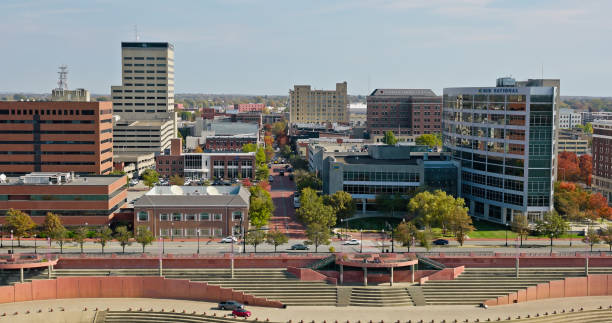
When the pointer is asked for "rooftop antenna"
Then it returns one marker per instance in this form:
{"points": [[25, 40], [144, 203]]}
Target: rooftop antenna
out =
{"points": [[62, 82], [136, 37]]}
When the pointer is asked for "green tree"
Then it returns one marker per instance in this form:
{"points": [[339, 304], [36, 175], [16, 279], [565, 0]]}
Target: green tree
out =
{"points": [[305, 179], [285, 151], [389, 138], [260, 156], [276, 238], [313, 210], [177, 180], [425, 238], [461, 223], [520, 225], [606, 235], [104, 236], [247, 148], [255, 238], [390, 204], [317, 234], [80, 234], [55, 230], [20, 223], [592, 238], [61, 237], [118, 172], [435, 209], [261, 206], [431, 140], [342, 203], [553, 226], [144, 236], [406, 233], [123, 236], [262, 172], [150, 177]]}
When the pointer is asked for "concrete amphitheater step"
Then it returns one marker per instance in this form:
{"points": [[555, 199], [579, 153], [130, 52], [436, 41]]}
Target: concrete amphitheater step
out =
{"points": [[125, 316], [380, 297], [590, 316]]}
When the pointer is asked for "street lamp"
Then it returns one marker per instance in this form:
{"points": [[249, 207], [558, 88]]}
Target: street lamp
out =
{"points": [[35, 244], [198, 241], [172, 232], [506, 234], [1, 236], [12, 244], [361, 242], [383, 240]]}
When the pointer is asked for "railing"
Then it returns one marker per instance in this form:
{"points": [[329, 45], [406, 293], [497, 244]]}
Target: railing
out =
{"points": [[322, 263], [431, 262]]}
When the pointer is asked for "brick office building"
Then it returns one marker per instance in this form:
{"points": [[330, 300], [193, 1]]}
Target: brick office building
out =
{"points": [[168, 165], [229, 143], [406, 112], [76, 199], [183, 211], [602, 157], [56, 137], [249, 107]]}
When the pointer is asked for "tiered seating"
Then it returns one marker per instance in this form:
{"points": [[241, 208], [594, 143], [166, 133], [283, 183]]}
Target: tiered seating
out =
{"points": [[385, 296], [11, 276], [273, 283], [159, 317], [475, 285]]}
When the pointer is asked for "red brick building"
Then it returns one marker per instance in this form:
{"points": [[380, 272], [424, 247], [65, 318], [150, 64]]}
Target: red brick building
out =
{"points": [[168, 165], [602, 158], [228, 143], [189, 211], [78, 200], [56, 137], [406, 112], [208, 113], [249, 107]]}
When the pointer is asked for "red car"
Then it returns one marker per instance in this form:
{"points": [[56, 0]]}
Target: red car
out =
{"points": [[241, 312]]}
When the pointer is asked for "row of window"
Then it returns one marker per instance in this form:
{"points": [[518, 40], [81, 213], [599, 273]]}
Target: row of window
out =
{"points": [[381, 176], [191, 232], [143, 71], [48, 112], [148, 78], [378, 189], [141, 58], [144, 216], [493, 195]]}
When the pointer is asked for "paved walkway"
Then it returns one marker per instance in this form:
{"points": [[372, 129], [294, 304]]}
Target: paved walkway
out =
{"points": [[73, 310], [284, 218]]}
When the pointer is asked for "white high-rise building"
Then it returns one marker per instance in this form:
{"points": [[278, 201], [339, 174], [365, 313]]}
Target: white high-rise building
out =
{"points": [[144, 103], [569, 119]]}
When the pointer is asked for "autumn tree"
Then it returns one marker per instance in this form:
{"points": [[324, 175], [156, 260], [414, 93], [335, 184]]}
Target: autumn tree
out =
{"points": [[406, 233], [20, 223], [144, 236], [460, 223], [276, 238], [425, 238], [606, 235], [123, 236], [568, 166], [586, 168], [318, 234], [591, 238], [435, 208], [198, 150], [104, 236], [255, 238], [80, 234], [55, 230], [342, 203], [553, 226], [520, 225]]}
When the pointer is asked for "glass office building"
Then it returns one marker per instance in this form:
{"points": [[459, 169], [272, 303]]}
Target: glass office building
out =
{"points": [[503, 138]]}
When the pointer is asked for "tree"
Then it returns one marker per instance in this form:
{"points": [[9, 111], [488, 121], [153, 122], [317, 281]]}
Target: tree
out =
{"points": [[61, 236], [592, 238], [520, 225], [406, 233], [460, 223], [198, 150], [118, 172], [255, 238], [553, 226], [144, 236], [285, 151], [304, 179], [150, 177], [269, 151], [261, 206], [279, 128], [123, 236], [262, 172], [422, 206], [318, 234], [586, 168], [436, 208], [268, 140], [276, 238], [389, 204], [247, 148], [431, 140], [260, 156], [313, 210], [389, 138], [20, 223], [342, 203], [568, 165], [80, 234], [177, 180], [104, 236], [425, 238], [55, 230]]}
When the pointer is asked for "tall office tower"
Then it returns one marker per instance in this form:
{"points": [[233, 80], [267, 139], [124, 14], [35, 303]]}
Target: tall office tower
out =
{"points": [[406, 112], [602, 157], [144, 104], [318, 106], [504, 138], [49, 136]]}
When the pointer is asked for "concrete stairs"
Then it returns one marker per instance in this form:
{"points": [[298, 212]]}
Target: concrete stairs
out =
{"points": [[271, 283], [589, 316], [380, 297], [475, 285], [158, 317]]}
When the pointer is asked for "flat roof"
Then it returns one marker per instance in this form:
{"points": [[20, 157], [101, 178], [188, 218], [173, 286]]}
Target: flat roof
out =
{"points": [[195, 196], [146, 45], [77, 180], [403, 92]]}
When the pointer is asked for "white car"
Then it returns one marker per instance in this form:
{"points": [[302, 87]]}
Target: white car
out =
{"points": [[296, 202], [133, 182], [229, 239], [352, 242]]}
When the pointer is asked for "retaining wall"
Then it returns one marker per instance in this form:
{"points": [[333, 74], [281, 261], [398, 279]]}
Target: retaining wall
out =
{"points": [[525, 260]]}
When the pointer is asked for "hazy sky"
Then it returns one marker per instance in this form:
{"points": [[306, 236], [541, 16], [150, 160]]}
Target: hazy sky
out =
{"points": [[264, 47]]}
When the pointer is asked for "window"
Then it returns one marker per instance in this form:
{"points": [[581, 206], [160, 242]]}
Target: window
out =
{"points": [[143, 216], [218, 232], [204, 217], [217, 217], [237, 215], [164, 232], [177, 232], [190, 232], [164, 217], [190, 217], [177, 217]]}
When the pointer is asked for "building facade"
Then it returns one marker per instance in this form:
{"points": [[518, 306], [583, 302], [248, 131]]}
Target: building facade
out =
{"points": [[76, 95], [408, 113], [504, 139], [228, 143], [144, 103], [569, 119], [602, 158], [76, 199], [318, 106], [192, 211], [56, 137], [590, 117], [249, 107]]}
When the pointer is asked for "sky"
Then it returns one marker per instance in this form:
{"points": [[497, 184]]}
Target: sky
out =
{"points": [[265, 47]]}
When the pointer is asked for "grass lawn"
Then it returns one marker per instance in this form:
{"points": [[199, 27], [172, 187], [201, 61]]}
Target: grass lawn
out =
{"points": [[374, 223], [488, 230]]}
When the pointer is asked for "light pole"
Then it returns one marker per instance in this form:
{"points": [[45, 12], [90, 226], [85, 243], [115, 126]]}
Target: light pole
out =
{"points": [[12, 244], [383, 241], [1, 236], [361, 242], [506, 234], [35, 244], [198, 241], [172, 232]]}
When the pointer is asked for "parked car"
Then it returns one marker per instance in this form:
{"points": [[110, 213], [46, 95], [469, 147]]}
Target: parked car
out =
{"points": [[296, 202], [230, 305], [133, 182], [287, 166], [299, 246], [352, 242], [241, 312], [229, 239], [281, 173], [440, 242], [270, 178], [290, 177]]}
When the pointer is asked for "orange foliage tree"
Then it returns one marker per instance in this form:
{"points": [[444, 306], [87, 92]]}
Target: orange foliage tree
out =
{"points": [[569, 169], [586, 168]]}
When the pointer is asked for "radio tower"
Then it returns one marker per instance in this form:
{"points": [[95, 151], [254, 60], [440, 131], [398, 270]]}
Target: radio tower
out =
{"points": [[62, 82]]}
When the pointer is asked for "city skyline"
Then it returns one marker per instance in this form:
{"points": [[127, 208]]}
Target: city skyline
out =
{"points": [[244, 47]]}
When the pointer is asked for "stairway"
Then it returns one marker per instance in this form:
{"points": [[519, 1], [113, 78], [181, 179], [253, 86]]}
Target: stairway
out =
{"points": [[380, 297], [589, 316], [158, 317], [475, 285]]}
